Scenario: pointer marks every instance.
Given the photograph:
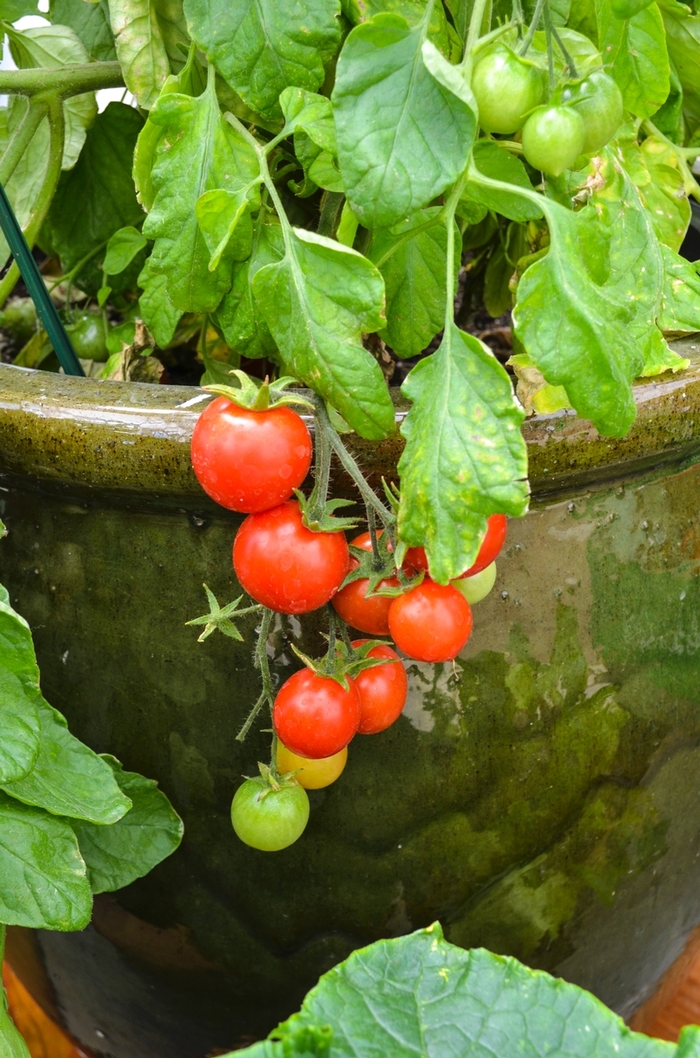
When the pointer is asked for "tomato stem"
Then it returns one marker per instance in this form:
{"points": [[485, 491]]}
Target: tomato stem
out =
{"points": [[568, 58], [533, 27], [261, 662], [550, 47], [331, 205]]}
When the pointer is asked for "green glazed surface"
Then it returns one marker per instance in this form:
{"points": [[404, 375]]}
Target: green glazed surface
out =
{"points": [[542, 798]]}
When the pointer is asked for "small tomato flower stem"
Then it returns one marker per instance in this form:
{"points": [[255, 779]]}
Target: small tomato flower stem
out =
{"points": [[261, 662], [533, 27]]}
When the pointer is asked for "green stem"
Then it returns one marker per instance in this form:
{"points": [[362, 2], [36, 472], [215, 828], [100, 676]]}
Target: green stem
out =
{"points": [[36, 111], [75, 271], [260, 661], [322, 465], [331, 205], [475, 26], [568, 58], [331, 655], [550, 47], [44, 199], [67, 81], [533, 27], [449, 215], [351, 467]]}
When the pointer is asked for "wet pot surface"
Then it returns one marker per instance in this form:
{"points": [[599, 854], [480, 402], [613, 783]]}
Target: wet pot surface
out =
{"points": [[541, 798]]}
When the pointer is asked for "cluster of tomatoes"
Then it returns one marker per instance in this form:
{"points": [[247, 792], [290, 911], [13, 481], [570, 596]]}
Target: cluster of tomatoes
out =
{"points": [[579, 118], [252, 461]]}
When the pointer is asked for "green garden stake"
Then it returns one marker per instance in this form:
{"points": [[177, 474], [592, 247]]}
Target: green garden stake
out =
{"points": [[29, 271]]}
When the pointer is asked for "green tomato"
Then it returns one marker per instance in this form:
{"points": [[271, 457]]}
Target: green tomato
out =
{"points": [[599, 102], [553, 138], [268, 819], [478, 586], [87, 334], [506, 89]]}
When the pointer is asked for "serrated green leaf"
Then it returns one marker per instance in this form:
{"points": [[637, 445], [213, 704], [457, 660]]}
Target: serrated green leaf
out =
{"points": [[405, 120], [67, 778], [586, 311], [122, 249], [157, 310], [683, 42], [669, 118], [90, 22], [202, 152], [465, 456], [440, 31], [219, 214], [636, 56], [653, 167], [11, 10], [420, 995], [498, 164], [317, 301], [19, 694], [117, 855], [310, 117], [262, 48], [238, 316], [414, 277], [680, 301], [97, 197], [43, 880]]}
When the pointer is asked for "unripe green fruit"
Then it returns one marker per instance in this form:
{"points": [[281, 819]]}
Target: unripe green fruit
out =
{"points": [[599, 102], [553, 138], [506, 89]]}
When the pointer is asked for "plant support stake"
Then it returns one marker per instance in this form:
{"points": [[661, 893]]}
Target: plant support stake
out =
{"points": [[45, 307]]}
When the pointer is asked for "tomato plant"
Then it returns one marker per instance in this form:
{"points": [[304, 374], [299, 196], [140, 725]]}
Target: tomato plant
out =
{"points": [[382, 690], [506, 89], [285, 566], [315, 716], [431, 622], [250, 460], [367, 613], [269, 819], [599, 102], [553, 138]]}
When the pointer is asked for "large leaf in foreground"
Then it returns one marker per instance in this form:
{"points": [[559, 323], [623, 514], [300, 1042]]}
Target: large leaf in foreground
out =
{"points": [[317, 301], [19, 694], [465, 457], [586, 312], [421, 996], [201, 152], [68, 779], [264, 47], [405, 120], [117, 855], [43, 881]]}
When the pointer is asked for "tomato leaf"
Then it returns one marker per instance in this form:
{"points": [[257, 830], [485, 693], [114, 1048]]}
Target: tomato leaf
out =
{"points": [[157, 310], [96, 197], [122, 248], [202, 152], [19, 694], [405, 120], [117, 855], [220, 215], [43, 880], [464, 458], [498, 164], [90, 22], [12, 1043], [433, 999], [586, 311], [317, 302], [67, 778], [415, 277], [238, 315], [262, 48], [683, 42], [680, 302], [636, 56], [140, 48]]}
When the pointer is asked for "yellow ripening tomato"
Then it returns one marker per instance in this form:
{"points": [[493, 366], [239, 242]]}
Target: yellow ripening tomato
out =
{"points": [[311, 774]]}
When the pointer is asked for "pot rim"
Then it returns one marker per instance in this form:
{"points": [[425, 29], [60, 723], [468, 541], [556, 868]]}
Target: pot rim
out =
{"points": [[132, 439]]}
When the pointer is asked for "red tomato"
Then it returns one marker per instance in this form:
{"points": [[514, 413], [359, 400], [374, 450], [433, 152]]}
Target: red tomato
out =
{"points": [[250, 460], [431, 622], [367, 614], [382, 690], [285, 566], [314, 716], [490, 548]]}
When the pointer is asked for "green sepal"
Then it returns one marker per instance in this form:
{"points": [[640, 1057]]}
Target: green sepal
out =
{"points": [[259, 396], [323, 520], [344, 663], [219, 617], [271, 781]]}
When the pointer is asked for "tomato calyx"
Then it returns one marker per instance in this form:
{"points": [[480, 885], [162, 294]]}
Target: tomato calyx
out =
{"points": [[378, 567], [260, 396], [270, 781], [344, 662], [319, 517], [219, 617]]}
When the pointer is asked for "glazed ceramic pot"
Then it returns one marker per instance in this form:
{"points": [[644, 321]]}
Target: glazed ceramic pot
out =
{"points": [[540, 798]]}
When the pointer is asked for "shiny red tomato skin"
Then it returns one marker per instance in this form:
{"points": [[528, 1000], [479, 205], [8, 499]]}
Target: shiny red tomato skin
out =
{"points": [[283, 565], [382, 690], [249, 461], [314, 716], [431, 622], [490, 548], [366, 614]]}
